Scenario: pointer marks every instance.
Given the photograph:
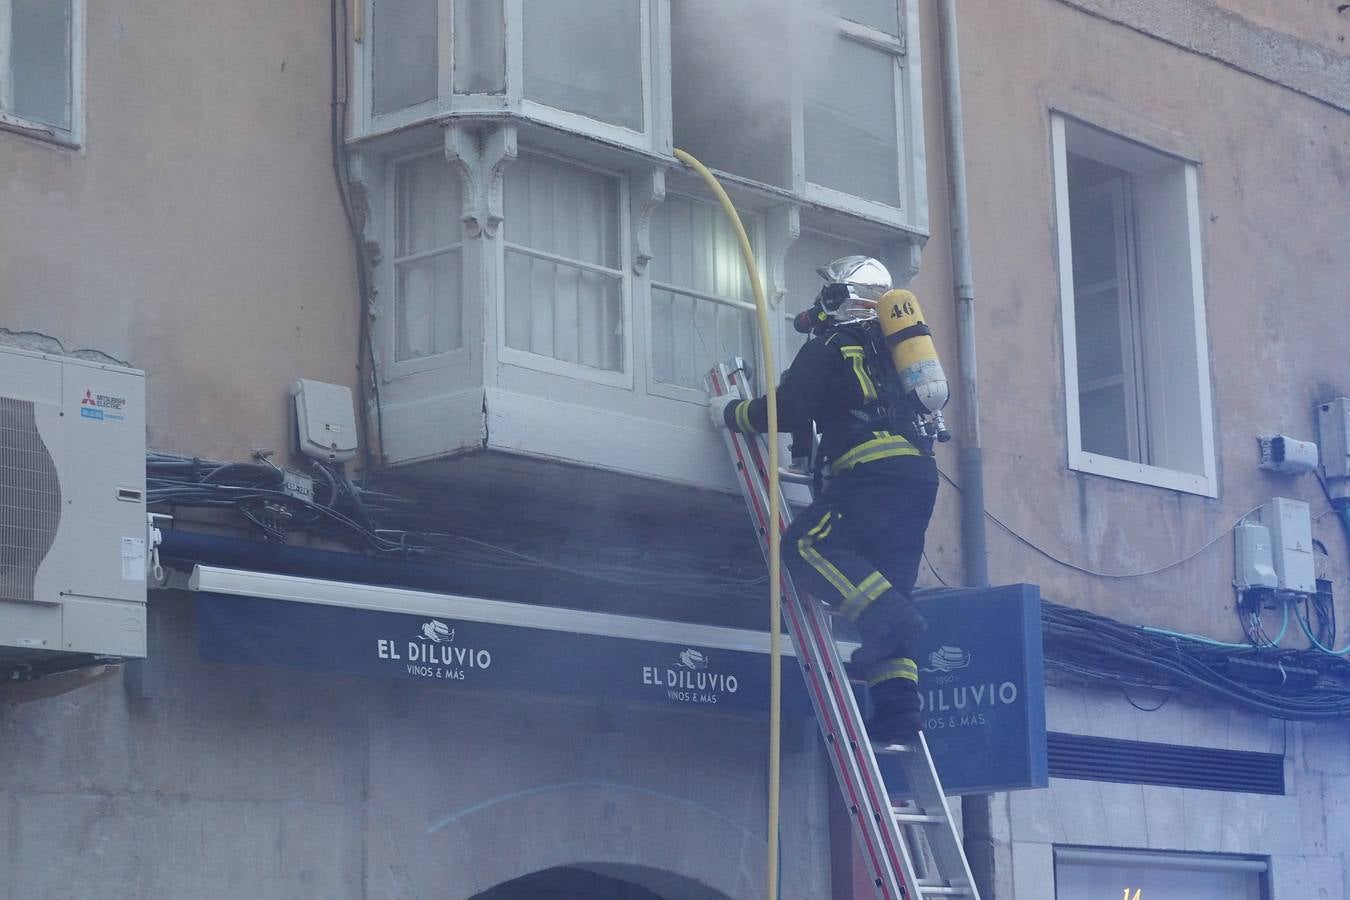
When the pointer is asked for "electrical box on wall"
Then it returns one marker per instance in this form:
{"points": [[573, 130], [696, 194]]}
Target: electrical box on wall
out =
{"points": [[1281, 453], [1290, 524], [325, 420], [72, 509], [1253, 556], [1333, 424]]}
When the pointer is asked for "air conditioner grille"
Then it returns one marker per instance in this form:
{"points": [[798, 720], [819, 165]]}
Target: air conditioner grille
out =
{"points": [[30, 499]]}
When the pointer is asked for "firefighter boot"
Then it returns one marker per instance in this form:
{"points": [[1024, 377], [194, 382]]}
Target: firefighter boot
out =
{"points": [[888, 627], [894, 688]]}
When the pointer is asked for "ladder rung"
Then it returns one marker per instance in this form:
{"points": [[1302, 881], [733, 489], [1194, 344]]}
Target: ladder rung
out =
{"points": [[906, 818], [943, 891]]}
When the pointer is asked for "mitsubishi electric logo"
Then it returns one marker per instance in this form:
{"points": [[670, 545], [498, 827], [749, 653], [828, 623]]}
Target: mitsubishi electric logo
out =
{"points": [[690, 679], [102, 407], [432, 653]]}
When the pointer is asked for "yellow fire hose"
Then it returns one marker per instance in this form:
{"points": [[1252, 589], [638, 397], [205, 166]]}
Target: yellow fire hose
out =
{"points": [[775, 543]]}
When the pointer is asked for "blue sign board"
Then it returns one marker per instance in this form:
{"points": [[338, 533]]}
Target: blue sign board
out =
{"points": [[980, 662]]}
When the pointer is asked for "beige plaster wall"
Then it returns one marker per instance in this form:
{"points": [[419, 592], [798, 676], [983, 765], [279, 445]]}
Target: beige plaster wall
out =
{"points": [[1317, 21], [1274, 172], [198, 235]]}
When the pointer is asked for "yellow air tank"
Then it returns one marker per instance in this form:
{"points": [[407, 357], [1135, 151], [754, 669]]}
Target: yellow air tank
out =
{"points": [[910, 342]]}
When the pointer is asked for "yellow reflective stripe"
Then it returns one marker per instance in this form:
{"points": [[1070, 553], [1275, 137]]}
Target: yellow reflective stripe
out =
{"points": [[827, 570], [855, 355], [887, 669], [742, 415], [870, 451], [869, 589]]}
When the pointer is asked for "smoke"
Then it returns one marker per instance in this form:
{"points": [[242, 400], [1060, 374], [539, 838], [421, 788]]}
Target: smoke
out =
{"points": [[735, 66]]}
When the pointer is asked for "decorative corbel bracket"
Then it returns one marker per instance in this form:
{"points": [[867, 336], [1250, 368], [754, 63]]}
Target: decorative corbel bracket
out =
{"points": [[649, 191], [784, 226], [908, 255], [480, 157]]}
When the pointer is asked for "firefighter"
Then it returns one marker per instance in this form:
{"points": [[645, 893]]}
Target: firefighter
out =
{"points": [[858, 545]]}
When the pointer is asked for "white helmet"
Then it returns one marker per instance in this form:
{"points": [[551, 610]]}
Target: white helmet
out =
{"points": [[854, 284]]}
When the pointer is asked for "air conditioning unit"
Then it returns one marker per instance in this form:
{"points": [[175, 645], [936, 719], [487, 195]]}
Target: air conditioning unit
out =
{"points": [[72, 510]]}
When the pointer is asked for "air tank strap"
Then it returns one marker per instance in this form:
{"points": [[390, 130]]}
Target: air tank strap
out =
{"points": [[917, 330]]}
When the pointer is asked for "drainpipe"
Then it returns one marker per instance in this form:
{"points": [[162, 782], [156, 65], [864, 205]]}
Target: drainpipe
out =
{"points": [[975, 810]]}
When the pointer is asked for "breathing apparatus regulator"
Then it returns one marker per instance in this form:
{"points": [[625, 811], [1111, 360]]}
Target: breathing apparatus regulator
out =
{"points": [[858, 292]]}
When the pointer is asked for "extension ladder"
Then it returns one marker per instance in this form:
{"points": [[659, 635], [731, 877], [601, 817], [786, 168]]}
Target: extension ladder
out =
{"points": [[912, 851]]}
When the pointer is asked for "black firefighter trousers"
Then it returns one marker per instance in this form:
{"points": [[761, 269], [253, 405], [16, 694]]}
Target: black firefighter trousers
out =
{"points": [[858, 548]]}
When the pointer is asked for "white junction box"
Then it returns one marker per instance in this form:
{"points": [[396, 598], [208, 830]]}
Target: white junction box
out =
{"points": [[72, 508], [1333, 425], [325, 420], [1290, 524], [1252, 554]]}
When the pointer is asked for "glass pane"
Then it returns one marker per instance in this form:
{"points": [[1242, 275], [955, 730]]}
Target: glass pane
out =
{"points": [[1091, 881], [690, 336], [562, 209], [693, 246], [883, 15], [585, 56], [405, 54], [563, 312], [480, 47], [40, 61], [715, 43], [427, 306], [1092, 230], [1103, 422], [1097, 323], [429, 206], [850, 129]]}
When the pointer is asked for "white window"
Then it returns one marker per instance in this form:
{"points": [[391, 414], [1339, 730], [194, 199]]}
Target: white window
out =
{"points": [[1136, 364], [1091, 874], [702, 308], [851, 122], [586, 57], [564, 279], [41, 67], [427, 260]]}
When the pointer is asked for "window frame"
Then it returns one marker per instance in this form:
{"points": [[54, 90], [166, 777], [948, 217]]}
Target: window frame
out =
{"points": [[524, 359], [395, 367], [373, 123], [72, 137], [755, 231], [1080, 460], [642, 139], [897, 47]]}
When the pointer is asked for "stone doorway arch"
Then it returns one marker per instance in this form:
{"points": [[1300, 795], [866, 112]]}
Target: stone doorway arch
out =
{"points": [[600, 882]]}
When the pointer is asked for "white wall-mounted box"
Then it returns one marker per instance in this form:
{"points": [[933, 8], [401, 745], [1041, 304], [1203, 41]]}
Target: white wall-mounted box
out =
{"points": [[72, 487], [1290, 524]]}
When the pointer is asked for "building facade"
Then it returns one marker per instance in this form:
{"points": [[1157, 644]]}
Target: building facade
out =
{"points": [[469, 214]]}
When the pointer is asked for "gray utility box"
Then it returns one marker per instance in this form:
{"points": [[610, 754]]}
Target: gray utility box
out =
{"points": [[1333, 425], [72, 509]]}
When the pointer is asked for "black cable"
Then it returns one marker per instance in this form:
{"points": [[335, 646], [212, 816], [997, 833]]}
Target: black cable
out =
{"points": [[367, 378], [1126, 694], [940, 579]]}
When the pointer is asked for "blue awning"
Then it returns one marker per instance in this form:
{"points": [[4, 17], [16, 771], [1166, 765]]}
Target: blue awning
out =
{"points": [[982, 681]]}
